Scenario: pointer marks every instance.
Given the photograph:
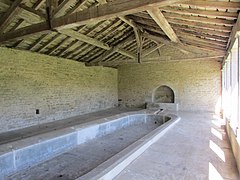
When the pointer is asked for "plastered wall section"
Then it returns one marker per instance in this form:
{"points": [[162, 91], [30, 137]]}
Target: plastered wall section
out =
{"points": [[59, 88], [196, 84]]}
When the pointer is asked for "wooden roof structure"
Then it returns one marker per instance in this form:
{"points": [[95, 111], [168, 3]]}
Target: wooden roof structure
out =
{"points": [[114, 32]]}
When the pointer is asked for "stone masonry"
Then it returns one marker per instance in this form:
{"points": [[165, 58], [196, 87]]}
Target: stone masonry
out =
{"points": [[57, 88], [196, 84]]}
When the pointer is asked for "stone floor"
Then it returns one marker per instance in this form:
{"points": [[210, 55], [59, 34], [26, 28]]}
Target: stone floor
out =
{"points": [[60, 124], [195, 148]]}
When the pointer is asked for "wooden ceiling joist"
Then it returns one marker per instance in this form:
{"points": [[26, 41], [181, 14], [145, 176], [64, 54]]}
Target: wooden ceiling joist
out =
{"points": [[202, 13], [201, 25], [48, 42], [91, 41], [111, 51], [7, 16], [207, 31], [32, 10], [38, 4], [216, 21], [37, 42], [202, 40], [201, 34], [99, 13], [213, 4], [161, 21]]}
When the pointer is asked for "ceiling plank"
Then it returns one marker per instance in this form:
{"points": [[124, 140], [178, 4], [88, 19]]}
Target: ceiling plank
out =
{"points": [[93, 14], [48, 42], [200, 19], [200, 30], [84, 38], [38, 4], [199, 12], [40, 28], [200, 25], [31, 10], [214, 4], [201, 34], [159, 18], [59, 7], [108, 53], [90, 40], [107, 11], [151, 50], [37, 42], [7, 16], [233, 36], [202, 40]]}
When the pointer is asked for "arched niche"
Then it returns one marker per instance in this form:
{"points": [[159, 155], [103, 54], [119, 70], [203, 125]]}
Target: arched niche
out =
{"points": [[164, 94]]}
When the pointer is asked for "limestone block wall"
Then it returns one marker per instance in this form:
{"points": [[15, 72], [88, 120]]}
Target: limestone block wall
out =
{"points": [[196, 84], [58, 88]]}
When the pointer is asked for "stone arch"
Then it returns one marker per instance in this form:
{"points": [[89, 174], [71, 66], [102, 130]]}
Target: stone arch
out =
{"points": [[163, 94]]}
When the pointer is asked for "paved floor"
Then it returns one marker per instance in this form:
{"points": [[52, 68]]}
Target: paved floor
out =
{"points": [[195, 148], [60, 124]]}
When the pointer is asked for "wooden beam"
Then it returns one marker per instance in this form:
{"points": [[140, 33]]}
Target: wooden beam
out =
{"points": [[90, 40], [7, 16], [151, 50], [37, 42], [108, 53], [165, 41], [202, 40], [159, 18], [59, 7], [76, 7], [93, 14], [31, 10], [202, 13], [38, 4], [84, 38], [57, 46], [203, 44], [213, 4], [200, 30], [201, 25], [40, 28], [233, 36], [48, 42], [201, 34], [206, 20], [107, 11]]}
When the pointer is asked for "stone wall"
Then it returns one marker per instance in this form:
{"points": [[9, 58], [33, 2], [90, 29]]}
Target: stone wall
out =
{"points": [[58, 88], [196, 84]]}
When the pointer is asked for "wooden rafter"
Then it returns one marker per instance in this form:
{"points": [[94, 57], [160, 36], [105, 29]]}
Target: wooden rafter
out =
{"points": [[91, 41], [233, 35], [103, 12], [37, 42], [202, 40], [162, 22], [48, 42], [32, 10], [111, 51], [201, 34], [202, 13], [6, 18], [38, 4], [206, 20], [214, 4]]}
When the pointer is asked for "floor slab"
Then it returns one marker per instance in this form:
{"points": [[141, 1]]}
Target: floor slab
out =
{"points": [[196, 148]]}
